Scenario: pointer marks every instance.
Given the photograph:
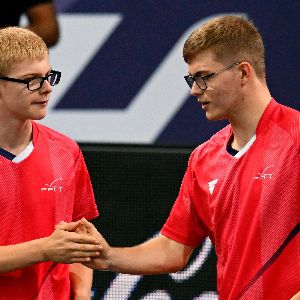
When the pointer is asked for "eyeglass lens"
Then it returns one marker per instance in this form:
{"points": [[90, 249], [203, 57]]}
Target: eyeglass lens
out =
{"points": [[199, 80], [36, 83]]}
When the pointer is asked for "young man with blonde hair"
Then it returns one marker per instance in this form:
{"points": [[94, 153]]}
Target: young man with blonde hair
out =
{"points": [[44, 181], [241, 187]]}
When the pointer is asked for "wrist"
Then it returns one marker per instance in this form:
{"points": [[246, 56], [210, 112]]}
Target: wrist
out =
{"points": [[110, 263], [42, 246]]}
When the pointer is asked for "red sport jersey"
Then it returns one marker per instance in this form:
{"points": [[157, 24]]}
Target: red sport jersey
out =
{"points": [[249, 206], [51, 185]]}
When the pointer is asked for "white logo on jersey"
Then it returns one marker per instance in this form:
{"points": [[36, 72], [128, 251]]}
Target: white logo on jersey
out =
{"points": [[211, 185], [264, 175], [51, 187]]}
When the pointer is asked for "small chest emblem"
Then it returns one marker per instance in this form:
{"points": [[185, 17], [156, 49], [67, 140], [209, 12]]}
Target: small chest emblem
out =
{"points": [[54, 186], [265, 174]]}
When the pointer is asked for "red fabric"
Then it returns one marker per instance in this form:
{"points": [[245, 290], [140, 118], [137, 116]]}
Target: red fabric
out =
{"points": [[253, 207], [49, 186]]}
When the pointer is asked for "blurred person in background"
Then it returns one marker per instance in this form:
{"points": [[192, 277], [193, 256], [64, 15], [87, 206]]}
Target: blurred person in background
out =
{"points": [[41, 15]]}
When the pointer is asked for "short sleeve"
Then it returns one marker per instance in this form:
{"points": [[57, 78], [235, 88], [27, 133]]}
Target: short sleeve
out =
{"points": [[183, 224], [84, 205]]}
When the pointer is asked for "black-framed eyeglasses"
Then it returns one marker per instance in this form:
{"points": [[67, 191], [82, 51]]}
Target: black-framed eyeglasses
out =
{"points": [[35, 83], [201, 80]]}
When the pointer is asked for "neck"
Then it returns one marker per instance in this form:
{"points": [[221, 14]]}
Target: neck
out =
{"points": [[245, 121], [15, 135]]}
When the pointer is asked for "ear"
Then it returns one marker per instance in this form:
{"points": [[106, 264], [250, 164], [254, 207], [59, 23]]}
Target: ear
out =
{"points": [[246, 72]]}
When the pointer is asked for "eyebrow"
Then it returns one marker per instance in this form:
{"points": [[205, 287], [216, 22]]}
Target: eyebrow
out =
{"points": [[31, 75], [200, 73]]}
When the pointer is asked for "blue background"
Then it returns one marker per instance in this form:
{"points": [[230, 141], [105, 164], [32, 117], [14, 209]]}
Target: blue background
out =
{"points": [[149, 30]]}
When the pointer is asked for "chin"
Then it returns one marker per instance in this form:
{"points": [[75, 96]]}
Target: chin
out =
{"points": [[211, 117], [38, 117], [39, 114], [214, 117]]}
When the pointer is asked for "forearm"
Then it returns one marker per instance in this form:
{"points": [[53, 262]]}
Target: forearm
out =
{"points": [[19, 256], [43, 21], [156, 256], [81, 279], [60, 247], [49, 36], [138, 261], [159, 255]]}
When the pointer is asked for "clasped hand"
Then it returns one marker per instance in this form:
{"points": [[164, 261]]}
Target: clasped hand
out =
{"points": [[71, 243]]}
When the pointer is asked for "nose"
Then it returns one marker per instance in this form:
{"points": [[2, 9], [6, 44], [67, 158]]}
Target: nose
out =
{"points": [[46, 87], [196, 90]]}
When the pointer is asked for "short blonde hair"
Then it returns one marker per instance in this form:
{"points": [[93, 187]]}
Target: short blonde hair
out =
{"points": [[231, 39], [17, 45]]}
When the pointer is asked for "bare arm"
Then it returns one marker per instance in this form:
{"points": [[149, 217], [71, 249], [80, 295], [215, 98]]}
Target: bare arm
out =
{"points": [[21, 255], [158, 255], [296, 297], [61, 246], [81, 279], [43, 21]]}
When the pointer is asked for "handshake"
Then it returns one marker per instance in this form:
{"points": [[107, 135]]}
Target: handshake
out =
{"points": [[76, 242]]}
